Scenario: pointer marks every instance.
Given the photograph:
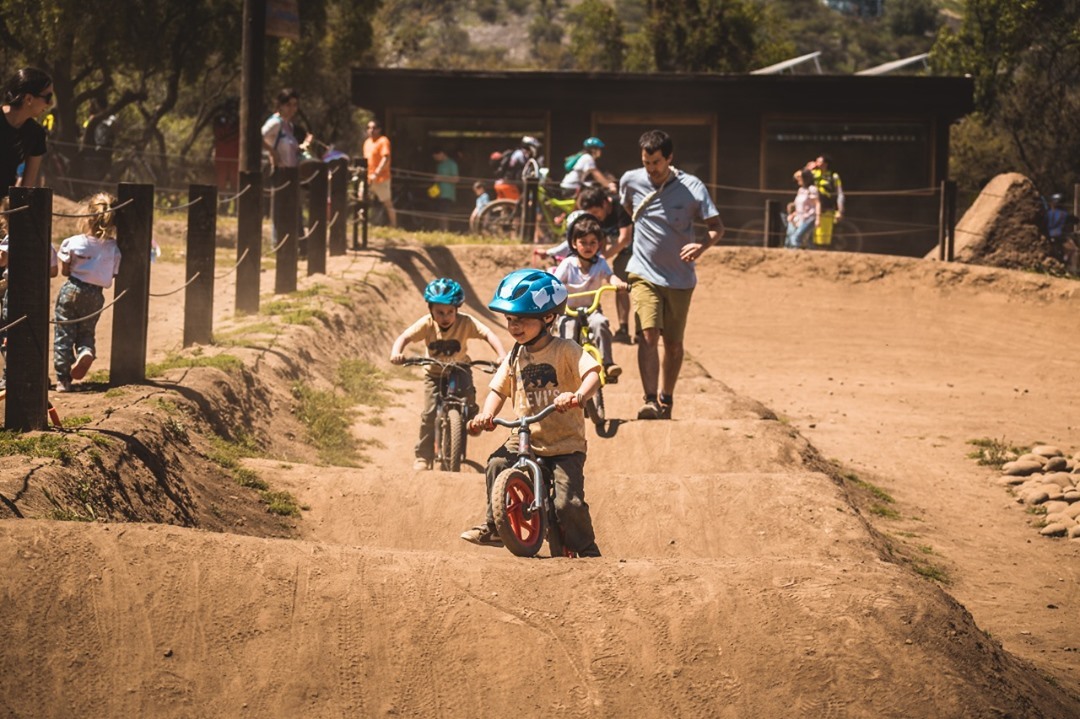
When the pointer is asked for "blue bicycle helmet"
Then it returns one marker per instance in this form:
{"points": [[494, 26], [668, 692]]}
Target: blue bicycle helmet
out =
{"points": [[444, 291], [529, 293], [593, 143]]}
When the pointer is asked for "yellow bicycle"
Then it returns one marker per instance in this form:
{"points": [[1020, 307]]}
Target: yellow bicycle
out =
{"points": [[594, 406]]}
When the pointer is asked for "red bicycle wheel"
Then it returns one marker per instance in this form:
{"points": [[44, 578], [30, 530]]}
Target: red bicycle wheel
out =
{"points": [[522, 529]]}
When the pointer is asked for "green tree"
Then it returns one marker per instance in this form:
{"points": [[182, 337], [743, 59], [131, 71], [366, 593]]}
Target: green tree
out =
{"points": [[713, 35], [1025, 59], [596, 37]]}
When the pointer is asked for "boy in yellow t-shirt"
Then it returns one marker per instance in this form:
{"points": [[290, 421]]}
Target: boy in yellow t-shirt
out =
{"points": [[541, 370], [445, 332]]}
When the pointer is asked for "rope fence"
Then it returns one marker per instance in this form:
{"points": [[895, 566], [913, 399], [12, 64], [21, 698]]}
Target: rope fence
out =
{"points": [[92, 314], [5, 328], [114, 208], [173, 292], [232, 269], [237, 196], [276, 247], [186, 205]]}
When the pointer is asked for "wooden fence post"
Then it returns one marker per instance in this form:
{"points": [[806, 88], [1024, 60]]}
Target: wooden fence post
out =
{"points": [[339, 206], [365, 206], [317, 200], [285, 210], [134, 231], [947, 231], [201, 246], [772, 223], [249, 242], [29, 233]]}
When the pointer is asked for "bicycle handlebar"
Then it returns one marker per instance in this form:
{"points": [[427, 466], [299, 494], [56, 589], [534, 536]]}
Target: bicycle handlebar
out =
{"points": [[597, 294], [523, 422], [485, 365]]}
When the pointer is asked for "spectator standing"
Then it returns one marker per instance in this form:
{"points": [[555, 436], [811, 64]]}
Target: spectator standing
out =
{"points": [[831, 199], [377, 153], [1059, 228], [804, 212], [511, 164], [663, 203], [279, 134], [28, 94], [446, 178]]}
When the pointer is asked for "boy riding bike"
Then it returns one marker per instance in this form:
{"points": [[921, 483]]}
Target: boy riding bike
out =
{"points": [[584, 271], [541, 370], [445, 331]]}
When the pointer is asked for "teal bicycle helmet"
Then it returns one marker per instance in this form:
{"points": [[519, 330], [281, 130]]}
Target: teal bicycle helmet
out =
{"points": [[593, 143], [529, 293], [444, 291]]}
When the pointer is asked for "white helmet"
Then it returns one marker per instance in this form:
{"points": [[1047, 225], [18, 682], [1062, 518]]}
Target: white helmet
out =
{"points": [[531, 141]]}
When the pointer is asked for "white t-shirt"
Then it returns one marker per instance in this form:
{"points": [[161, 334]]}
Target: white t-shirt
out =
{"points": [[93, 260], [280, 136], [581, 171], [577, 280], [53, 262]]}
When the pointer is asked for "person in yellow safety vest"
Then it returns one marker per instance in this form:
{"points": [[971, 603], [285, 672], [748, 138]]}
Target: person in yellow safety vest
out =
{"points": [[831, 193]]}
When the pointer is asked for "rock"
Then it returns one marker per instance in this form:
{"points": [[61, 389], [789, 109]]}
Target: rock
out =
{"points": [[1074, 531], [1072, 495], [1073, 511], [1055, 464], [1060, 518], [1061, 479], [1021, 468], [1032, 457], [1054, 530], [1070, 465], [1035, 497], [1010, 481], [1055, 506], [1047, 450]]}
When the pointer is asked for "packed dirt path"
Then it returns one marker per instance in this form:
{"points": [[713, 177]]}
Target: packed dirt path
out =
{"points": [[739, 576]]}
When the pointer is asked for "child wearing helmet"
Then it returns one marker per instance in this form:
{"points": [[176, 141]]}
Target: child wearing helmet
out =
{"points": [[540, 370], [581, 169], [445, 332], [586, 270]]}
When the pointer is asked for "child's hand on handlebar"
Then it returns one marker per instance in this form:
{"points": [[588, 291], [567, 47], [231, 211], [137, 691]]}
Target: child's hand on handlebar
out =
{"points": [[397, 358], [481, 423], [566, 401]]}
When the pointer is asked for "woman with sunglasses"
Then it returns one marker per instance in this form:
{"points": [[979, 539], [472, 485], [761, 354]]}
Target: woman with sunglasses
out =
{"points": [[27, 95]]}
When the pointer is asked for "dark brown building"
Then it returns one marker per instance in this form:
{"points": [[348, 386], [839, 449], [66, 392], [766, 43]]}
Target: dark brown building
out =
{"points": [[744, 135]]}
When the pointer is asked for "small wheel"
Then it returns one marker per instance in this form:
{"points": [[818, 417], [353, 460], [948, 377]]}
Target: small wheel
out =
{"points": [[521, 529], [498, 218], [454, 447], [594, 408]]}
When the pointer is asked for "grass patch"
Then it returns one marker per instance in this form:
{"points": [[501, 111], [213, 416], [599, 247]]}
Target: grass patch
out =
{"points": [[224, 362], [46, 444], [882, 511], [228, 454], [992, 452], [75, 422], [363, 383], [281, 503], [328, 417], [246, 332], [870, 488], [98, 376], [930, 571], [250, 478], [114, 392]]}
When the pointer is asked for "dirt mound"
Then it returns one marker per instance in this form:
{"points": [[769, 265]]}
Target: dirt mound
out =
{"points": [[740, 576], [1003, 228]]}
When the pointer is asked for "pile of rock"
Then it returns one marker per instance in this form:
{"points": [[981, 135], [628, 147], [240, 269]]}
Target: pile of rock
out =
{"points": [[1047, 479]]}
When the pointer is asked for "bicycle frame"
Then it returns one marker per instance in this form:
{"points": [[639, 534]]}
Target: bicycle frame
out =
{"points": [[582, 315], [526, 458]]}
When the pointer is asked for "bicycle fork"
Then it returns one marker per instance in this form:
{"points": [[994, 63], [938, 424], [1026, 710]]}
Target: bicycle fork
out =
{"points": [[526, 463]]}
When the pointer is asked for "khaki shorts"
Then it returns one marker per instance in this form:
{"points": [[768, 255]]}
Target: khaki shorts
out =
{"points": [[662, 308], [381, 190]]}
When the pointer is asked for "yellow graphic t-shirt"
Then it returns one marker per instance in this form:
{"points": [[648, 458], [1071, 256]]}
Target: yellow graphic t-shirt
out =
{"points": [[446, 345], [534, 382]]}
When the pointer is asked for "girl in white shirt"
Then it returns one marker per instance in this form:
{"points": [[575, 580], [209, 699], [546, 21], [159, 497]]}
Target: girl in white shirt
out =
{"points": [[90, 261], [584, 271]]}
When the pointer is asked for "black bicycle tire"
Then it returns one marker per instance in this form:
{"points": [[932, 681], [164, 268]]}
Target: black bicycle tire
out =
{"points": [[455, 424], [508, 481], [497, 219]]}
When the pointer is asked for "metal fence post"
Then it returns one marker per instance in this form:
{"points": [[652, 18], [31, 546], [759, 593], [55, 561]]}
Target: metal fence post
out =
{"points": [[285, 211], [365, 209], [948, 192], [528, 200], [339, 206], [317, 200], [248, 242], [134, 231], [201, 237], [27, 365]]}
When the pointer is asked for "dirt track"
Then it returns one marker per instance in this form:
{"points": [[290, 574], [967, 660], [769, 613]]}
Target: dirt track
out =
{"points": [[738, 579]]}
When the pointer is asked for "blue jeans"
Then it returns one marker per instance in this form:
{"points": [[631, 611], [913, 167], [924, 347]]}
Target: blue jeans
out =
{"points": [[798, 235], [76, 299]]}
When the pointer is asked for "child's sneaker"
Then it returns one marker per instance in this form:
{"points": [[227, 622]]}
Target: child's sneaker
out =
{"points": [[63, 385], [420, 464], [621, 336], [483, 535], [612, 372], [82, 364]]}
